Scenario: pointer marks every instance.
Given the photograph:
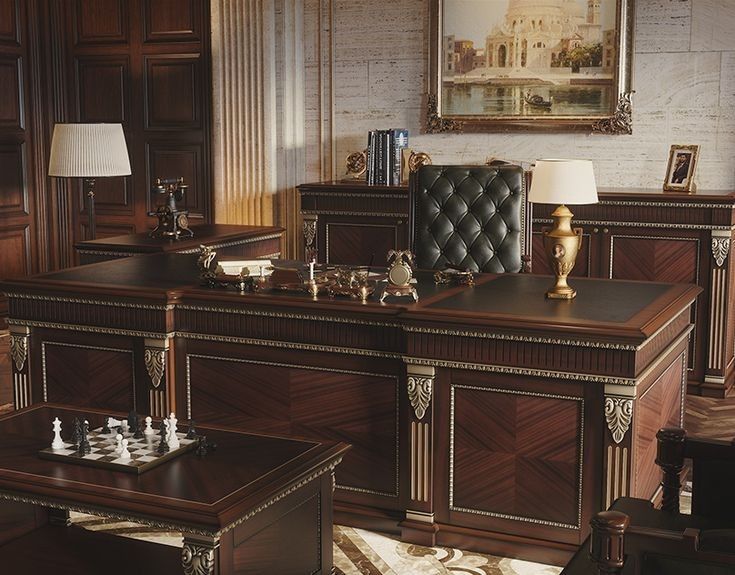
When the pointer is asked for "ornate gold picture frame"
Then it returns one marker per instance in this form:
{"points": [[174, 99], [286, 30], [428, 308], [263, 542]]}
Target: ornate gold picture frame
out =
{"points": [[501, 65], [680, 169]]}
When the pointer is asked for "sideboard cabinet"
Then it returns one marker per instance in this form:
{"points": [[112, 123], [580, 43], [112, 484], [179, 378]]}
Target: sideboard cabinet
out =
{"points": [[642, 234], [631, 234], [352, 223]]}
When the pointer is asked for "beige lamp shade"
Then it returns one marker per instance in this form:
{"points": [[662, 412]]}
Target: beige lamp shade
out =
{"points": [[88, 151], [563, 182]]}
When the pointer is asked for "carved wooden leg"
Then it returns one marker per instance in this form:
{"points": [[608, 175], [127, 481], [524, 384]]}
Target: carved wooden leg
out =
{"points": [[606, 541], [670, 457], [155, 354]]}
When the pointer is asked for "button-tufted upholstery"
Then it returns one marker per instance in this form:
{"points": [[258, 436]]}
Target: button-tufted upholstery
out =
{"points": [[471, 217]]}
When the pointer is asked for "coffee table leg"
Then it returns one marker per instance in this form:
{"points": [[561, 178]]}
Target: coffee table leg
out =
{"points": [[199, 555]]}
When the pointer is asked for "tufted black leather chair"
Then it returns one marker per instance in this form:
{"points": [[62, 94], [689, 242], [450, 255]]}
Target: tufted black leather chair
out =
{"points": [[469, 217]]}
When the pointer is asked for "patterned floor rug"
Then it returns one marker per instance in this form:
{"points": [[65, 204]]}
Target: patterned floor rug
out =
{"points": [[359, 552]]}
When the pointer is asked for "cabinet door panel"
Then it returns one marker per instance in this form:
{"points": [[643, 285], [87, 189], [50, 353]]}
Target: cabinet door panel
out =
{"points": [[651, 257], [356, 243]]}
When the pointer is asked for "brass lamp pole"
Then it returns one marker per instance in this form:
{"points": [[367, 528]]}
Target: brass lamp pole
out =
{"points": [[562, 182]]}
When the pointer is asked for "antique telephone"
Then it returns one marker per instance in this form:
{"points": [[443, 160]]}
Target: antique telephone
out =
{"points": [[173, 223]]}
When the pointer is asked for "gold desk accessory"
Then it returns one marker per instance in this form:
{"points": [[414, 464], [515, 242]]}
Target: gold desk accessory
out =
{"points": [[399, 275], [562, 182], [454, 276]]}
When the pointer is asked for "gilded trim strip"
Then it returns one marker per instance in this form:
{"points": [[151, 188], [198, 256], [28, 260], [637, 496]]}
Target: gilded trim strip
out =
{"points": [[361, 194], [538, 521], [290, 345], [216, 246], [112, 302], [287, 315], [88, 328], [313, 368], [345, 213], [640, 224]]}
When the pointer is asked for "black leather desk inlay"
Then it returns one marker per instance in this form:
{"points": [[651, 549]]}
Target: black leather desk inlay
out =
{"points": [[524, 295]]}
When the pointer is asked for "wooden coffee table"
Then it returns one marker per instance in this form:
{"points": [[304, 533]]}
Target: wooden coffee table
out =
{"points": [[258, 504]]}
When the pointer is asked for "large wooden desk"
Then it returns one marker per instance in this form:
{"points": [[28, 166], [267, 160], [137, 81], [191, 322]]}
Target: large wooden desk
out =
{"points": [[227, 239], [236, 508], [486, 418]]}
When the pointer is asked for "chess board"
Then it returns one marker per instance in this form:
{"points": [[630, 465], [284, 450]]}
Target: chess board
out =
{"points": [[143, 452]]}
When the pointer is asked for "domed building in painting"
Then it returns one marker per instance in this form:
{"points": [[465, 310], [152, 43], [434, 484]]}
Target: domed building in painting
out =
{"points": [[535, 32]]}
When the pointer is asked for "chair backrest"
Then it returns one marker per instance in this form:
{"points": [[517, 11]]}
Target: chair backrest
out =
{"points": [[470, 217]]}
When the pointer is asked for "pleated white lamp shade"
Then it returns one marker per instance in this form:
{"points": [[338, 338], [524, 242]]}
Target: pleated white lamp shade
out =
{"points": [[563, 182], [88, 151]]}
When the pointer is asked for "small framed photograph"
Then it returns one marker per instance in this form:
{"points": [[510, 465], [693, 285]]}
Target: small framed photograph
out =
{"points": [[680, 172]]}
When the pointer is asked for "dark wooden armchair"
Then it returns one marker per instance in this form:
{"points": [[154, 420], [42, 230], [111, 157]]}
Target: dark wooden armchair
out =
{"points": [[633, 538]]}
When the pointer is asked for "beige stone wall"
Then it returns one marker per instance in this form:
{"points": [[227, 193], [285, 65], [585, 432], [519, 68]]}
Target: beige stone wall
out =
{"points": [[366, 68]]}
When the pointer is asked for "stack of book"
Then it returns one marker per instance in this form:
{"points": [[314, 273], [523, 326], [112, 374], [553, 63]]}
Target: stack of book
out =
{"points": [[384, 153]]}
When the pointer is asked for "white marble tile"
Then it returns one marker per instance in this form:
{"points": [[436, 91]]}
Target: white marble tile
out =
{"points": [[713, 22], [663, 26], [677, 80]]}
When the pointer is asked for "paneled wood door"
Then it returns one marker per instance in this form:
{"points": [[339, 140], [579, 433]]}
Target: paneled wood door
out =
{"points": [[145, 64]]}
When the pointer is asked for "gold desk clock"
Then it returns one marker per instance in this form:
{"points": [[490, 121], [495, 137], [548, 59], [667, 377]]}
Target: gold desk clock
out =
{"points": [[399, 275], [173, 223]]}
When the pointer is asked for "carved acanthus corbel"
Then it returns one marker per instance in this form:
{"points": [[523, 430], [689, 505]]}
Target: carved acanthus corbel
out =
{"points": [[618, 413]]}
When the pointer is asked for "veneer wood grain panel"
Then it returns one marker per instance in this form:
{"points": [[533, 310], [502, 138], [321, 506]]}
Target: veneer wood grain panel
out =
{"points": [[172, 98], [103, 86], [169, 20], [101, 21], [352, 242], [9, 22], [357, 408], [15, 250], [88, 375], [11, 95], [13, 191], [654, 258], [516, 454]]}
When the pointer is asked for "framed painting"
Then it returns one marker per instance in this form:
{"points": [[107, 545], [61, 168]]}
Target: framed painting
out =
{"points": [[500, 65]]}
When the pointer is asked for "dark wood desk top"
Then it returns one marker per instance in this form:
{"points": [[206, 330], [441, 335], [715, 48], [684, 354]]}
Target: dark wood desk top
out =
{"points": [[211, 492], [205, 233], [622, 309]]}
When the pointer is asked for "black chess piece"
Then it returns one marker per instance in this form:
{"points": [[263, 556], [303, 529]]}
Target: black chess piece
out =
{"points": [[76, 434], [132, 422], [163, 445], [84, 447], [204, 447], [138, 430], [191, 433], [201, 450], [106, 426]]}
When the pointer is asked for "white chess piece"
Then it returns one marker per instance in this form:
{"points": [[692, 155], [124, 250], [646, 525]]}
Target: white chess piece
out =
{"points": [[124, 453], [57, 443], [148, 426], [118, 447], [172, 439]]}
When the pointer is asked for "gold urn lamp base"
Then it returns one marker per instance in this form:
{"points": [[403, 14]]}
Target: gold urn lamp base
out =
{"points": [[562, 244]]}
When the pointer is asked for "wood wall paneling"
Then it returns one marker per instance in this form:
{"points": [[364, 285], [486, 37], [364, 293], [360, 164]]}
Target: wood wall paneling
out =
{"points": [[9, 22], [13, 189], [15, 251], [101, 21], [172, 99], [103, 89], [169, 20], [11, 95]]}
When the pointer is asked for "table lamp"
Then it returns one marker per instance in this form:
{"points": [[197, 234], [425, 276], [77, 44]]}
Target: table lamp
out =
{"points": [[88, 151], [562, 182]]}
